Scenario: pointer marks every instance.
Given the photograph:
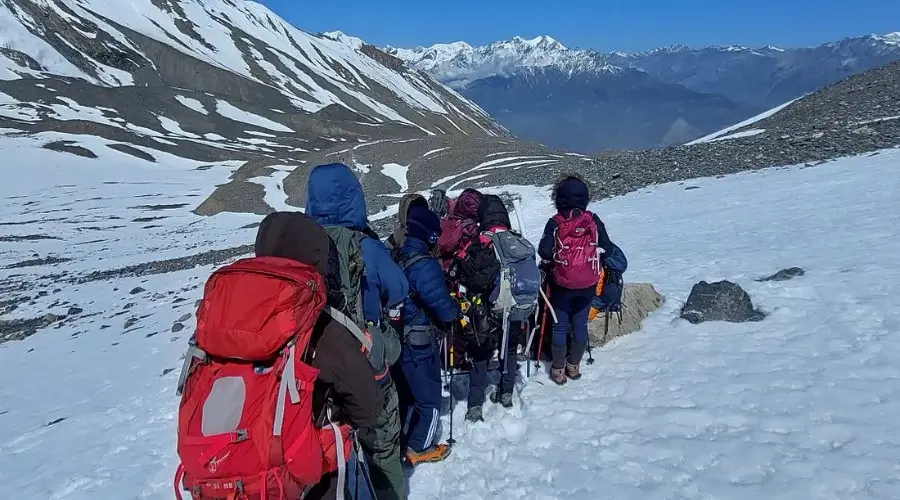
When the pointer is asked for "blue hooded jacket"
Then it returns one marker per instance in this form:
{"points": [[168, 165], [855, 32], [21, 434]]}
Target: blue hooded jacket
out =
{"points": [[426, 280], [334, 197]]}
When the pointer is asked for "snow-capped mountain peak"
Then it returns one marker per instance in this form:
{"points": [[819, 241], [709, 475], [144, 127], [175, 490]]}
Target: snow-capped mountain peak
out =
{"points": [[340, 36], [458, 63], [544, 42], [891, 38]]}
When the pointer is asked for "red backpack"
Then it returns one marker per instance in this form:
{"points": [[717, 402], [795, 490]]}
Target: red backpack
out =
{"points": [[576, 258], [246, 428], [456, 234]]}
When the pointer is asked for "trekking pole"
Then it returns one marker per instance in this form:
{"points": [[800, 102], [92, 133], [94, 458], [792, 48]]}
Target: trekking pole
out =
{"points": [[540, 347], [606, 327], [547, 307], [518, 207], [504, 343], [450, 440]]}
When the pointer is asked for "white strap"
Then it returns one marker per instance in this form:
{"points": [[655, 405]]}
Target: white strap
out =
{"points": [[290, 376], [287, 386], [549, 306], [341, 459], [347, 323]]}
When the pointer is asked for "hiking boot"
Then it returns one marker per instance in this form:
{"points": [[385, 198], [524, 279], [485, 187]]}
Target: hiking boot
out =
{"points": [[505, 399], [573, 371], [474, 414], [558, 375], [436, 453]]}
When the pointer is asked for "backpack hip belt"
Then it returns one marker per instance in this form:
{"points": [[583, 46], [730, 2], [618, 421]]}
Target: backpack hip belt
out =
{"points": [[420, 335]]}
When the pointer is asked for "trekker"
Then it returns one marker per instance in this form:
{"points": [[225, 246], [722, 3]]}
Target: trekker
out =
{"points": [[572, 246], [427, 315], [345, 374], [458, 229], [395, 240], [371, 282], [273, 367], [479, 273]]}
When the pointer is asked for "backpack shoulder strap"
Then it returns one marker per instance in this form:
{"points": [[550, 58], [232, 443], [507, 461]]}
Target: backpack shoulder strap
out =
{"points": [[348, 243], [406, 264], [350, 325]]}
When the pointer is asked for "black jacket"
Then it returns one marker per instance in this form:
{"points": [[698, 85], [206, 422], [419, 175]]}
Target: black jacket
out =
{"points": [[345, 371], [570, 194]]}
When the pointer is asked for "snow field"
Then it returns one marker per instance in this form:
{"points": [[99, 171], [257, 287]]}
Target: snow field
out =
{"points": [[398, 173], [193, 104], [126, 211], [496, 163], [737, 135], [800, 405], [232, 112]]}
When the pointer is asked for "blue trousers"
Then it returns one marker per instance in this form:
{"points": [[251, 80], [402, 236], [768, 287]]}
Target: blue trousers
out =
{"points": [[421, 367], [572, 309], [359, 484]]}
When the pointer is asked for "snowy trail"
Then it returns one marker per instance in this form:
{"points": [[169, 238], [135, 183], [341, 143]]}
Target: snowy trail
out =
{"points": [[801, 405]]}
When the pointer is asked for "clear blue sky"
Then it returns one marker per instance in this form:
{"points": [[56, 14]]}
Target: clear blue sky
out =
{"points": [[625, 25]]}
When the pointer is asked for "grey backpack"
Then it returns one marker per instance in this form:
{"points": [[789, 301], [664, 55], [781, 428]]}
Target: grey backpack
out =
{"points": [[516, 294]]}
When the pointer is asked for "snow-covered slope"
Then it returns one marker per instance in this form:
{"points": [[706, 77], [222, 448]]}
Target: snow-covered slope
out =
{"points": [[234, 47], [801, 405]]}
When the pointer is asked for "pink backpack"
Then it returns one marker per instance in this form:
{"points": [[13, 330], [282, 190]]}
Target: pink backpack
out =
{"points": [[576, 258]]}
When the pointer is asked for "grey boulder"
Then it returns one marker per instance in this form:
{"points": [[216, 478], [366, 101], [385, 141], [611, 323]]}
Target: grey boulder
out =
{"points": [[720, 301], [785, 274]]}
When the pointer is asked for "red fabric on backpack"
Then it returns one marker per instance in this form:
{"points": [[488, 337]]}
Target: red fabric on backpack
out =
{"points": [[576, 262], [247, 430], [459, 228], [455, 236]]}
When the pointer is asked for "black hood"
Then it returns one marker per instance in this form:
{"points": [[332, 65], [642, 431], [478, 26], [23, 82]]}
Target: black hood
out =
{"points": [[492, 212], [296, 236], [571, 193]]}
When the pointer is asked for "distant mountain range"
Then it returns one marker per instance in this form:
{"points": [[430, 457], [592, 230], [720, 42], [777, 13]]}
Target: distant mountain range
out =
{"points": [[588, 100]]}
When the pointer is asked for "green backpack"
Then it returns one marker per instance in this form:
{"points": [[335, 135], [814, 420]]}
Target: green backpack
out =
{"points": [[384, 339]]}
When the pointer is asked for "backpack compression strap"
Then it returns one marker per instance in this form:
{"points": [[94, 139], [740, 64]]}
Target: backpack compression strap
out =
{"points": [[347, 323]]}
